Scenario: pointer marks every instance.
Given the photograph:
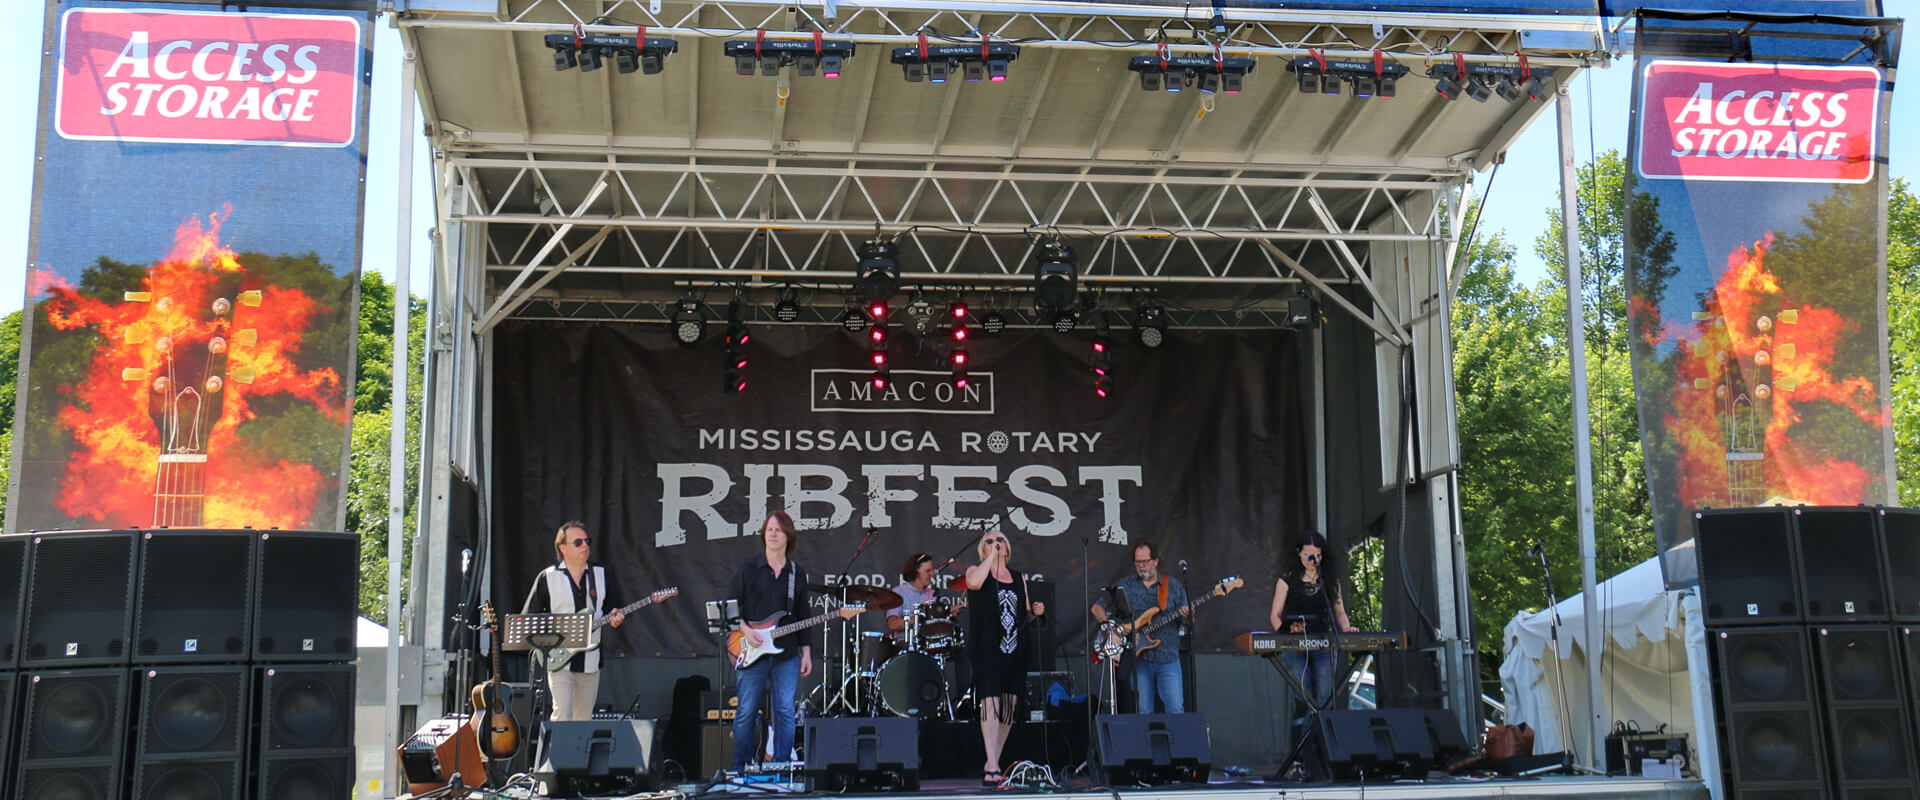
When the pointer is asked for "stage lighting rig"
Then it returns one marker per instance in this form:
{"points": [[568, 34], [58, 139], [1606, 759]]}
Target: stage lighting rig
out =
{"points": [[854, 320], [1150, 325], [877, 345], [1100, 359], [993, 323], [630, 54], [808, 57], [1300, 314], [1214, 73], [1376, 78], [919, 315], [788, 308], [957, 348], [879, 274], [1064, 320], [1482, 81], [1056, 281], [734, 377], [688, 323], [938, 63]]}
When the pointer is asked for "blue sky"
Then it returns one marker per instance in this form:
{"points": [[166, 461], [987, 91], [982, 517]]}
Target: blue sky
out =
{"points": [[1525, 189]]}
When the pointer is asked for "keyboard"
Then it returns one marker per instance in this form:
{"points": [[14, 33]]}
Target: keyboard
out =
{"points": [[1263, 643]]}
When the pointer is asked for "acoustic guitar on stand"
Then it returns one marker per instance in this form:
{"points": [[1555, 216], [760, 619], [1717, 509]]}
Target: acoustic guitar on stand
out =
{"points": [[497, 732]]}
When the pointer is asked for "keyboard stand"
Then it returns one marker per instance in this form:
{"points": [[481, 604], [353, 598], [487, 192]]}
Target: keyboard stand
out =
{"points": [[1321, 766]]}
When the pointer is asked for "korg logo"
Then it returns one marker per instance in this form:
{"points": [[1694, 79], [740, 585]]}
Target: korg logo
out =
{"points": [[911, 391]]}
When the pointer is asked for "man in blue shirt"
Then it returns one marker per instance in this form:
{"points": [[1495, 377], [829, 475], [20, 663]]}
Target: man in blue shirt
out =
{"points": [[1156, 667]]}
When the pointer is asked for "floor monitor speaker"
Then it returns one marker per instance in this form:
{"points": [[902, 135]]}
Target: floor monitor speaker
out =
{"points": [[1378, 743], [863, 754], [79, 599], [1153, 749], [592, 757]]}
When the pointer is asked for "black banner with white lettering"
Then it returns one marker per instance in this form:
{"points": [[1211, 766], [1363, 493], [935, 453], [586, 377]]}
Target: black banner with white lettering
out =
{"points": [[1200, 450]]}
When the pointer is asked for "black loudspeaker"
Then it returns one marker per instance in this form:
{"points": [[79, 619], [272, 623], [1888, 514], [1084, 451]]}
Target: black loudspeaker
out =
{"points": [[13, 592], [1383, 742], [860, 753], [309, 592], [195, 601], [192, 739], [716, 749], [74, 722], [1864, 698], [587, 757], [1900, 535], [1842, 574], [305, 735], [1043, 641], [79, 599], [1153, 749], [1770, 741], [1748, 572], [9, 696], [1907, 639]]}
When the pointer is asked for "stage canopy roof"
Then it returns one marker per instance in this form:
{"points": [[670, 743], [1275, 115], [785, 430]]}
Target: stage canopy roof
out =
{"points": [[608, 196]]}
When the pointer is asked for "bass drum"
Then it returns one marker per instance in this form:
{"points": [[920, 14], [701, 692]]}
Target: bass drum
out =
{"points": [[911, 685]]}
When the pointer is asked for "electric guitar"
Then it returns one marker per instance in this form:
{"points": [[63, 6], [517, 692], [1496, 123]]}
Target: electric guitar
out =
{"points": [[744, 652], [558, 658], [497, 732], [1112, 642], [189, 338]]}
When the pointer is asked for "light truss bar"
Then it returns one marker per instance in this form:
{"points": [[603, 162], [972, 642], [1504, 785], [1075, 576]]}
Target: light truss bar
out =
{"points": [[776, 276], [650, 311], [854, 227]]}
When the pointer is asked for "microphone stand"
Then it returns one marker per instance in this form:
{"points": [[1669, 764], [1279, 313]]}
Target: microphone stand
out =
{"points": [[849, 662], [1191, 629], [1553, 636], [1086, 636]]}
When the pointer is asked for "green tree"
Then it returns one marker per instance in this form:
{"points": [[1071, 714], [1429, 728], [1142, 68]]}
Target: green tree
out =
{"points": [[1903, 335], [367, 477]]}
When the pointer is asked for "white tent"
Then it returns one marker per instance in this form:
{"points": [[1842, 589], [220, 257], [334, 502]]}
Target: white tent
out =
{"points": [[1655, 668]]}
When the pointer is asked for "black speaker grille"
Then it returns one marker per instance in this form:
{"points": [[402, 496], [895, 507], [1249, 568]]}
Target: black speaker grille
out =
{"points": [[70, 782], [1775, 746], [1860, 664], [1900, 533], [1747, 568], [309, 591], [13, 587], [7, 720], [193, 710], [79, 598], [1872, 744], [209, 779], [1840, 564], [195, 596], [1764, 665], [326, 775], [306, 707], [75, 714]]}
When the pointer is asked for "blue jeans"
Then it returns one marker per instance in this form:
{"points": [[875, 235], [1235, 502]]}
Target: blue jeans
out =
{"points": [[783, 674], [1150, 678], [1314, 668]]}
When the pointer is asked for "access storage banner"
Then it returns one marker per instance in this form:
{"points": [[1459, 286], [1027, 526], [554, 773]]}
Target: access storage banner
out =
{"points": [[188, 342], [1199, 450], [1756, 280]]}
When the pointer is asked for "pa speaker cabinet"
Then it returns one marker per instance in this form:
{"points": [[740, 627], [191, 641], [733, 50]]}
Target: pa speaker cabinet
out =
{"points": [[9, 722], [1391, 742], [192, 737], [13, 592], [1863, 695], [587, 757], [1900, 534], [1749, 573], [1153, 748], [79, 599], [1770, 738], [74, 724], [195, 598], [1842, 570], [309, 590], [303, 743], [863, 754]]}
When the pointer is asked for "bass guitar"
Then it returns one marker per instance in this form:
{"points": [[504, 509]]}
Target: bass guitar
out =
{"points": [[745, 652], [558, 658], [495, 729], [1112, 642]]}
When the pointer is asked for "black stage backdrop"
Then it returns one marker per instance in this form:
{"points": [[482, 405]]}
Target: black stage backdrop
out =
{"points": [[1201, 451]]}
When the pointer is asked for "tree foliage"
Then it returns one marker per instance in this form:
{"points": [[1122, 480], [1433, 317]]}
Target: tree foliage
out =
{"points": [[367, 471]]}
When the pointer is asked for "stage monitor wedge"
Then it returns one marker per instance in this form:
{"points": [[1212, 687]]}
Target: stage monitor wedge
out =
{"points": [[1153, 749], [1749, 573], [79, 599], [1842, 571], [1384, 743], [195, 599], [862, 754], [309, 591], [595, 757]]}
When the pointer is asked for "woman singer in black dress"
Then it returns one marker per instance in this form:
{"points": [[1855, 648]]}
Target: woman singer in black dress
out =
{"points": [[998, 610]]}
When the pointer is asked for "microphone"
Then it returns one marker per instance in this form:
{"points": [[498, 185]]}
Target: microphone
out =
{"points": [[1313, 558], [1534, 551], [466, 559], [1183, 565]]}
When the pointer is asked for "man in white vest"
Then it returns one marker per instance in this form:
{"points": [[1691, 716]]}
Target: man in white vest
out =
{"points": [[565, 588]]}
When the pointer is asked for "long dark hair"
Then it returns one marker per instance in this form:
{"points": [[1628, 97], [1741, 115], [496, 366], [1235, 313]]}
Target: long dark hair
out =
{"points": [[1332, 570]]}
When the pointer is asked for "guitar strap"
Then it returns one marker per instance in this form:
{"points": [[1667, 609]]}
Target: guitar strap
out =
{"points": [[1163, 594]]}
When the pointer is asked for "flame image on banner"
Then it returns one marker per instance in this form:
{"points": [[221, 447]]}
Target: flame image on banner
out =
{"points": [[1750, 370], [189, 351]]}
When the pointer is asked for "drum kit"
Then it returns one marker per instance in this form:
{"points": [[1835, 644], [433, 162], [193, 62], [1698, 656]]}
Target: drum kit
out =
{"points": [[904, 673]]}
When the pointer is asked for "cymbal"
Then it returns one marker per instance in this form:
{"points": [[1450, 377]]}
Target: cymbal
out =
{"points": [[876, 598]]}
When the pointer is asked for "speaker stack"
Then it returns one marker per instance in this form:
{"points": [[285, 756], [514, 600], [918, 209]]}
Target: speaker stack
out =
{"points": [[175, 664], [1810, 615]]}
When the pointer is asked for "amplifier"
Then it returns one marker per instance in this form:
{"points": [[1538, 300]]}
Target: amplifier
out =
{"points": [[1039, 686], [715, 707], [436, 751], [1626, 749]]}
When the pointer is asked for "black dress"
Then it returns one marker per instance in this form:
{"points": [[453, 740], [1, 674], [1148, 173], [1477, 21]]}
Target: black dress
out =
{"points": [[996, 639]]}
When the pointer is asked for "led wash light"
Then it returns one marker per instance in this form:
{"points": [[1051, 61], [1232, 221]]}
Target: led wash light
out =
{"points": [[630, 54], [936, 64], [1483, 81], [1209, 74], [808, 57], [1376, 78]]}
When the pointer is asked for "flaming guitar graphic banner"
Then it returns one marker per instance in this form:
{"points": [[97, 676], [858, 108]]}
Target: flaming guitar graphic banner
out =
{"points": [[1756, 287], [191, 296]]}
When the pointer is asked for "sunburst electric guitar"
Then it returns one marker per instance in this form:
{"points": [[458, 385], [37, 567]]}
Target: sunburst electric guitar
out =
{"points": [[744, 652]]}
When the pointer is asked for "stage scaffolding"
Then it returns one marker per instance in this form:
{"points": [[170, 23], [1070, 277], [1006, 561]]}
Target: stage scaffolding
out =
{"points": [[605, 197]]}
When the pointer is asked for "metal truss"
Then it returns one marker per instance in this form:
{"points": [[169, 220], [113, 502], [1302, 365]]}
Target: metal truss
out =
{"points": [[1405, 37], [1118, 314]]}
